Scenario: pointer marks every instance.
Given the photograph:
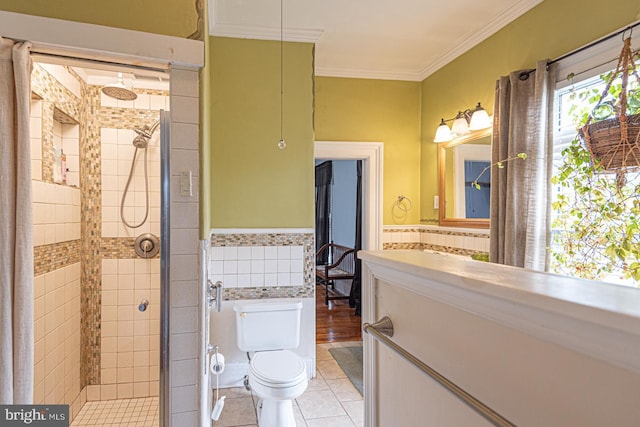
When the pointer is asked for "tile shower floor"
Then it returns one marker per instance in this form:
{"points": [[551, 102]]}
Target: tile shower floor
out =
{"points": [[329, 401], [141, 412]]}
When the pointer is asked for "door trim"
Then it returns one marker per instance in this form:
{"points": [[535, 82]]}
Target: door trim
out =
{"points": [[373, 155]]}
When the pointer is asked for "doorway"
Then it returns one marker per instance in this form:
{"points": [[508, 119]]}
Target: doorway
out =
{"points": [[337, 321]]}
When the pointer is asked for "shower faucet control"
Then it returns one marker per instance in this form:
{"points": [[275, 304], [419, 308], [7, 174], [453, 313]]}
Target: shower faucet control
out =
{"points": [[143, 305], [147, 245]]}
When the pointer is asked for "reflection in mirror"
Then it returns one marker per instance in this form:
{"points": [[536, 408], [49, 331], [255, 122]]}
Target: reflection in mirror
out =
{"points": [[462, 161]]}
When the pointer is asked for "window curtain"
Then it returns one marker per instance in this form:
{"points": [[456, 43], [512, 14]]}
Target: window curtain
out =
{"points": [[521, 191], [324, 174], [356, 285], [16, 242]]}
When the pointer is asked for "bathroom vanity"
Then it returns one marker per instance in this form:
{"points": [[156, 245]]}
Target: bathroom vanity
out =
{"points": [[536, 348]]}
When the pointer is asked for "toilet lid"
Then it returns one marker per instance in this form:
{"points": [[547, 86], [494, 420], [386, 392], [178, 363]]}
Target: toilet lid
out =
{"points": [[281, 367]]}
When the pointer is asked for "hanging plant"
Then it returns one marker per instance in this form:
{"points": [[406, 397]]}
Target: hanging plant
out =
{"points": [[614, 143]]}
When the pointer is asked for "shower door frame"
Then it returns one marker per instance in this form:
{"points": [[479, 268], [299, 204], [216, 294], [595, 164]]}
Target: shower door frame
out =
{"points": [[113, 46]]}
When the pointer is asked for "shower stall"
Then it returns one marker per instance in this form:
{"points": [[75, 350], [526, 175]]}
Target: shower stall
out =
{"points": [[95, 144]]}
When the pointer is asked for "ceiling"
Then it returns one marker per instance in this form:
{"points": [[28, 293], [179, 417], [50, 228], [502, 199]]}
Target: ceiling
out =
{"points": [[401, 39]]}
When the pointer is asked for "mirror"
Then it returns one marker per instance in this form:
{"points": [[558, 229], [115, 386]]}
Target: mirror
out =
{"points": [[461, 162]]}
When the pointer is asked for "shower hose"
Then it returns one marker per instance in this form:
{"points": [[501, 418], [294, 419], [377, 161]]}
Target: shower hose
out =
{"points": [[146, 190]]}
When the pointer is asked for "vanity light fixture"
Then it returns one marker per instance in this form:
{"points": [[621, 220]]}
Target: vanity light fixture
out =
{"points": [[463, 122]]}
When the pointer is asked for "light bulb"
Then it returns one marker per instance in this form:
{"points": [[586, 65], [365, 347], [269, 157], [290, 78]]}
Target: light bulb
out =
{"points": [[460, 125], [443, 133], [479, 119]]}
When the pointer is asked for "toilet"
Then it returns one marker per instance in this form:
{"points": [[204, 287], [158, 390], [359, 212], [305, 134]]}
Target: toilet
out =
{"points": [[276, 374]]}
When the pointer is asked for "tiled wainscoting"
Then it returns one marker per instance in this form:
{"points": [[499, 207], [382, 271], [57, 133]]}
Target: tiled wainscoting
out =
{"points": [[258, 265], [263, 263], [460, 241], [57, 271]]}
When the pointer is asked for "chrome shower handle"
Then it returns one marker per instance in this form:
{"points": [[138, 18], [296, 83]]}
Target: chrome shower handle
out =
{"points": [[214, 292]]}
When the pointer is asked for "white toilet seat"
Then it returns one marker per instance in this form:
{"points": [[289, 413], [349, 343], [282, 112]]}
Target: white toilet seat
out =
{"points": [[280, 368], [277, 377]]}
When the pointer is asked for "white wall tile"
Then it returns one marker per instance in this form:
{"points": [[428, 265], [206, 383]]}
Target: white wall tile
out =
{"points": [[284, 252], [185, 109], [284, 279], [244, 280]]}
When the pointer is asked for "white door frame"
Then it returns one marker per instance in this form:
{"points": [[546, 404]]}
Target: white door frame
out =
{"points": [[373, 155]]}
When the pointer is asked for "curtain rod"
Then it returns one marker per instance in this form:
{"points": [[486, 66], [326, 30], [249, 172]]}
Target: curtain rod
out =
{"points": [[524, 75]]}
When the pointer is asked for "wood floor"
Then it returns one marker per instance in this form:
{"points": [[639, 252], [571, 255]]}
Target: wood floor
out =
{"points": [[337, 321]]}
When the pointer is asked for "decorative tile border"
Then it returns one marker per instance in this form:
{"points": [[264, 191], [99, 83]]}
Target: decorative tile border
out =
{"points": [[91, 209], [421, 238], [456, 233], [452, 250], [427, 246], [47, 258], [307, 240], [403, 230], [119, 248], [412, 245]]}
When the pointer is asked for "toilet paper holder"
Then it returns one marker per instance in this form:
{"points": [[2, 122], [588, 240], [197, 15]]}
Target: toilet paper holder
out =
{"points": [[218, 366]]}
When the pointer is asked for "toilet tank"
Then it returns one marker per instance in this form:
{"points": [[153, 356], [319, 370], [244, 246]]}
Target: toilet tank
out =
{"points": [[268, 325]]}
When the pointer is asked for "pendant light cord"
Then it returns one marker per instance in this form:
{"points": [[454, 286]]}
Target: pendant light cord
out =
{"points": [[281, 72]]}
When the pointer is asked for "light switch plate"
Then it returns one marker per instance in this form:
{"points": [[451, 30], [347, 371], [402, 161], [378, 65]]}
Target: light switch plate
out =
{"points": [[436, 202], [186, 184]]}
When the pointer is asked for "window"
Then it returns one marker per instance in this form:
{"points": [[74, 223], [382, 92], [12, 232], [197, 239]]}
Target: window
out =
{"points": [[596, 216]]}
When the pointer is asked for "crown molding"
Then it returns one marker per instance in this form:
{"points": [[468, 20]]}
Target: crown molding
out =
{"points": [[355, 73], [472, 40], [221, 29]]}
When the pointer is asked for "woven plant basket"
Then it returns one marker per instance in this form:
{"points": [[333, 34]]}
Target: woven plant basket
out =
{"points": [[609, 146], [615, 143]]}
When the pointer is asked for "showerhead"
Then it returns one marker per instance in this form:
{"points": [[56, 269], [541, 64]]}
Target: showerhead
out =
{"points": [[147, 131], [144, 135], [119, 90], [140, 142]]}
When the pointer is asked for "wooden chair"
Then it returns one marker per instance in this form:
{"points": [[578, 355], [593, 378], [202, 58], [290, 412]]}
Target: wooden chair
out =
{"points": [[340, 266]]}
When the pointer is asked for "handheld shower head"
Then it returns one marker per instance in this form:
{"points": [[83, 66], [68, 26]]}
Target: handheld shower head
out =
{"points": [[144, 135], [141, 141], [147, 131]]}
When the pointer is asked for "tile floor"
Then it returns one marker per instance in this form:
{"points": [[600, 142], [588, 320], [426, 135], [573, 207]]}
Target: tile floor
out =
{"points": [[329, 401], [141, 412]]}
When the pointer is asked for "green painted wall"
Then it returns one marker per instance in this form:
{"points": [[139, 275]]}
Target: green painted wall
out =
{"points": [[377, 111], [549, 30], [253, 183], [169, 17]]}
